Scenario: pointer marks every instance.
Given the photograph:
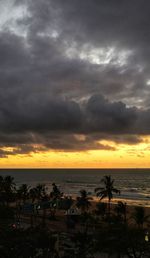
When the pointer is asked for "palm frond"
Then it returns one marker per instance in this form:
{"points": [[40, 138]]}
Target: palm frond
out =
{"points": [[115, 190], [103, 196], [99, 189]]}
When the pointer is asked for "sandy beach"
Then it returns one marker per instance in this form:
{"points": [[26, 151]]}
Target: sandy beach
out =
{"points": [[59, 223]]}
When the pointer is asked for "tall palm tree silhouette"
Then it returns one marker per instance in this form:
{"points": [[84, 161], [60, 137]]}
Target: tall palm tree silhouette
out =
{"points": [[7, 186], [107, 190], [23, 193], [83, 201]]}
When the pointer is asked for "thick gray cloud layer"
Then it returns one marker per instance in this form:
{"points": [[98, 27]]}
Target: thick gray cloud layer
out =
{"points": [[73, 68]]}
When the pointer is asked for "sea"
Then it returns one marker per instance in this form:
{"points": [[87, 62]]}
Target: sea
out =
{"points": [[134, 184]]}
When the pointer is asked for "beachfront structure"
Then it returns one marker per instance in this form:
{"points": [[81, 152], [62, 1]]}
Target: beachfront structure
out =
{"points": [[73, 212]]}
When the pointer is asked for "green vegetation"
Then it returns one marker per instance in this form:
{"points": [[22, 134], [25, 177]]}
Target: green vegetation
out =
{"points": [[33, 224]]}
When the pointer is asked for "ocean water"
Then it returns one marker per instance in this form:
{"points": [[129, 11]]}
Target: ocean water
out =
{"points": [[134, 184]]}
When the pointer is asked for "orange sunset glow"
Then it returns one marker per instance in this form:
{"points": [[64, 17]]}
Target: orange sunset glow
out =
{"points": [[124, 156]]}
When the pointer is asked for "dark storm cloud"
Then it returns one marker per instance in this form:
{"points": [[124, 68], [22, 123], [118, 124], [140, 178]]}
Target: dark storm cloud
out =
{"points": [[82, 26], [109, 117], [57, 124], [39, 113], [71, 68], [125, 23], [69, 142]]}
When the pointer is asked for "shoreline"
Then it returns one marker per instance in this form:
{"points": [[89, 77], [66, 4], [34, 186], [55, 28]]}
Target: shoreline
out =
{"points": [[131, 202]]}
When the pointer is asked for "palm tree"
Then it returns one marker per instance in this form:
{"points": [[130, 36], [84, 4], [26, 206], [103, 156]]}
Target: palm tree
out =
{"points": [[55, 196], [83, 201], [101, 209], [139, 216], [41, 195], [40, 192], [7, 188], [84, 244], [56, 193], [23, 193], [1, 183], [107, 190], [33, 194], [9, 183], [121, 210]]}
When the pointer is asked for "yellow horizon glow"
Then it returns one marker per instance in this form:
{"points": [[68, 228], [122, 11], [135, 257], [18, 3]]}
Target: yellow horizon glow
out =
{"points": [[125, 156]]}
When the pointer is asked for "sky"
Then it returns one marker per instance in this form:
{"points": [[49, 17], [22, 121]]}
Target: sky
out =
{"points": [[75, 83]]}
